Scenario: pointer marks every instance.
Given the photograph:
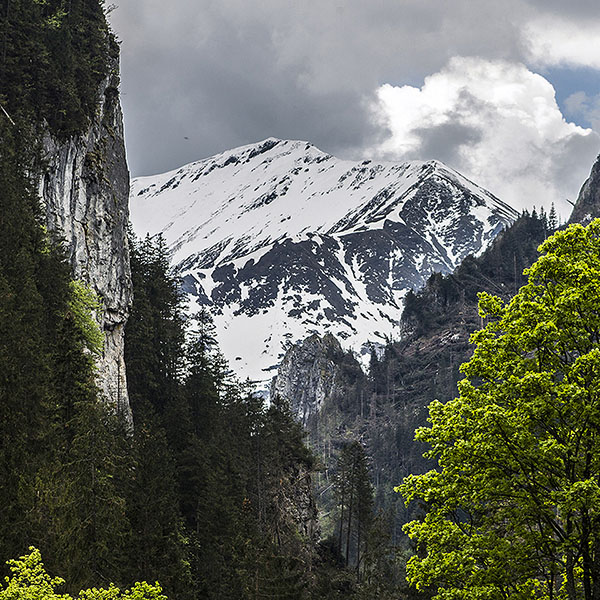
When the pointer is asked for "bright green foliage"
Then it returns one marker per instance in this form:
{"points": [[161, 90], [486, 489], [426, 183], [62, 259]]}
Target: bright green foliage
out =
{"points": [[514, 509], [30, 581], [84, 304], [139, 591]]}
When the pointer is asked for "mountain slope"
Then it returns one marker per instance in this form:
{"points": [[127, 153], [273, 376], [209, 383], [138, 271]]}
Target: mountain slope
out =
{"points": [[337, 402], [283, 240]]}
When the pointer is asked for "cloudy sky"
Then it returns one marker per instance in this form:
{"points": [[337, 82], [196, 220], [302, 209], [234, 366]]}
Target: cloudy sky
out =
{"points": [[505, 91]]}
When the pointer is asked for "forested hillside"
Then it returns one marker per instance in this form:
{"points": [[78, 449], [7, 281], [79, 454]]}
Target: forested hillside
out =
{"points": [[62, 453], [53, 59], [184, 498], [384, 408], [221, 494]]}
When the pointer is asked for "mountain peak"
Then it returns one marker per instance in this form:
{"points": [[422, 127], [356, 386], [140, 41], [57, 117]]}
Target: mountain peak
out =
{"points": [[283, 240]]}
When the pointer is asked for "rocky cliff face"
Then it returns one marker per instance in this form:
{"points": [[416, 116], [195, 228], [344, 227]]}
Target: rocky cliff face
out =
{"points": [[314, 372], [299, 510], [308, 375], [85, 189], [587, 206]]}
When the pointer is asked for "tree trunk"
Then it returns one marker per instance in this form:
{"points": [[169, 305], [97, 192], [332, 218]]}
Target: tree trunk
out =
{"points": [[595, 567], [570, 565], [358, 552], [350, 507], [342, 504], [585, 552]]}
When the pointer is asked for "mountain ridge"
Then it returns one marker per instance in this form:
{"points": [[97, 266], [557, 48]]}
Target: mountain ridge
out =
{"points": [[283, 240]]}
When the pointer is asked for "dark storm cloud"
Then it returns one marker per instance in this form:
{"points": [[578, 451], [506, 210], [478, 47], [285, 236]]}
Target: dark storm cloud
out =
{"points": [[443, 142], [225, 91], [228, 72]]}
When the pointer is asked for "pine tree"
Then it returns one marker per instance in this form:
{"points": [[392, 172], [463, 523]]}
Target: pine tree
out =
{"points": [[157, 549], [552, 219], [154, 335]]}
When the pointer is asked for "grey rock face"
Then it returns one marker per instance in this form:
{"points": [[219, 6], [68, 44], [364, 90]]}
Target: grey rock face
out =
{"points": [[300, 514], [308, 375], [85, 190], [587, 206]]}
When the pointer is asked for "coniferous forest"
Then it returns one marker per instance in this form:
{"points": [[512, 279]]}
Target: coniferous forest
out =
{"points": [[210, 493], [215, 494]]}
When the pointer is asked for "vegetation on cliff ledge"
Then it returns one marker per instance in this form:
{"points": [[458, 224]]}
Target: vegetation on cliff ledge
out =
{"points": [[53, 56]]}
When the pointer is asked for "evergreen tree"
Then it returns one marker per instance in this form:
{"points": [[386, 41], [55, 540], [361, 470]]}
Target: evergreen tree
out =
{"points": [[158, 546], [154, 356], [53, 58], [154, 337], [354, 495], [552, 219]]}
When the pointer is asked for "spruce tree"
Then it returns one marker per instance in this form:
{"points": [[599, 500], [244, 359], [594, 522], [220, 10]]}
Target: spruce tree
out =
{"points": [[154, 357]]}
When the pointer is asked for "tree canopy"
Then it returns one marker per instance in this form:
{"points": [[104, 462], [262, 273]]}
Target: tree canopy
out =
{"points": [[31, 581], [513, 511]]}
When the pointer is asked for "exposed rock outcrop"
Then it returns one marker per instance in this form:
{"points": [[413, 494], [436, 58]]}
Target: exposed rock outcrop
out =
{"points": [[313, 372], [587, 206], [308, 375], [85, 189], [297, 505]]}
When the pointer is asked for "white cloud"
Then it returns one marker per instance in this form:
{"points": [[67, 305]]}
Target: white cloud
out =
{"points": [[555, 41], [497, 123]]}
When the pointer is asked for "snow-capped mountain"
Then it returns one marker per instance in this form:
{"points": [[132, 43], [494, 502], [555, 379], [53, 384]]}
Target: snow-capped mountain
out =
{"points": [[283, 240]]}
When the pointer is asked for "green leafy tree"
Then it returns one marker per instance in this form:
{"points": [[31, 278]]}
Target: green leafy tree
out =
{"points": [[31, 581], [514, 508]]}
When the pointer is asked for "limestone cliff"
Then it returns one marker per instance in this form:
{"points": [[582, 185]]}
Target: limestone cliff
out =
{"points": [[85, 189], [308, 375], [587, 206]]}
